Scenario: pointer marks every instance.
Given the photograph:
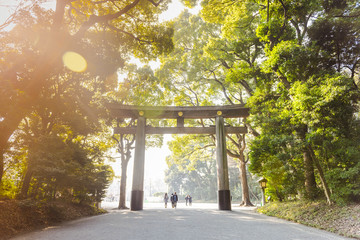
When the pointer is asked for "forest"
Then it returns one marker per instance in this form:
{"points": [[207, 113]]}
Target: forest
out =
{"points": [[295, 64]]}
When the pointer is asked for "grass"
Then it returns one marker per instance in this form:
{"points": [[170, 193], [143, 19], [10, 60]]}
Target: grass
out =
{"points": [[342, 220]]}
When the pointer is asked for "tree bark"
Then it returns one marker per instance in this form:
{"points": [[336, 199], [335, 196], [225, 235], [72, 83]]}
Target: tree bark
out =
{"points": [[278, 195], [2, 151], [322, 177], [125, 152], [310, 183], [241, 145], [26, 184], [7, 128], [244, 183], [122, 199]]}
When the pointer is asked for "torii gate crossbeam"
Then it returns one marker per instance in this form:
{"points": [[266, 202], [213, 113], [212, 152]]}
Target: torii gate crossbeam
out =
{"points": [[141, 113]]}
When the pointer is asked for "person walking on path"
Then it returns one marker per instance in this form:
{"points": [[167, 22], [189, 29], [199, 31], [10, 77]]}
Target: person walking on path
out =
{"points": [[190, 200], [175, 199], [166, 199], [187, 199], [172, 200]]}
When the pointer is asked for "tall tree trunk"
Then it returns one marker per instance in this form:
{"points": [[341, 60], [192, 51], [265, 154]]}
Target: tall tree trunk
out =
{"points": [[241, 145], [26, 183], [125, 152], [322, 177], [310, 183], [244, 183], [7, 128], [213, 182], [2, 151], [122, 199], [278, 194]]}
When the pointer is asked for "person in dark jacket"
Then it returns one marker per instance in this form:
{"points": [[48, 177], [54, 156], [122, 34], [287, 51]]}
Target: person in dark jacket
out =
{"points": [[172, 200], [187, 199], [175, 199]]}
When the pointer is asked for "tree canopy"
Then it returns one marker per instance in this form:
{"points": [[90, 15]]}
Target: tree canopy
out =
{"points": [[294, 63], [57, 68]]}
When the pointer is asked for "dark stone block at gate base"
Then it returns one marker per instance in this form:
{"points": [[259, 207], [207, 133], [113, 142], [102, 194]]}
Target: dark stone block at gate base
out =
{"points": [[224, 200], [137, 199]]}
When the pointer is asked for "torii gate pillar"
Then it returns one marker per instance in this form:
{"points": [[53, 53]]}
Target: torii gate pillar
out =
{"points": [[224, 198], [137, 193]]}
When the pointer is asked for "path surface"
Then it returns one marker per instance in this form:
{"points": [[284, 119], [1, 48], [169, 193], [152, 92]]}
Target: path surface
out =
{"points": [[200, 221]]}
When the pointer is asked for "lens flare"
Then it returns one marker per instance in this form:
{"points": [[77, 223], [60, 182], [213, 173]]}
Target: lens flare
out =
{"points": [[74, 61]]}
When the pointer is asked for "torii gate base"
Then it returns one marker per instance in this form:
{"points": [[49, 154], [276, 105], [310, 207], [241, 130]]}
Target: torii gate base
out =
{"points": [[224, 200], [137, 199], [217, 112]]}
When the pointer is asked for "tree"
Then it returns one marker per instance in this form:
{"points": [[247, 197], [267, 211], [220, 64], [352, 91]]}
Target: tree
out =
{"points": [[293, 45], [140, 87], [295, 63], [202, 72], [31, 66], [192, 168], [58, 160], [124, 147]]}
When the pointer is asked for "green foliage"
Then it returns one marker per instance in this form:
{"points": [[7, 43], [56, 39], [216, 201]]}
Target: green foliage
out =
{"points": [[274, 158], [139, 87], [8, 189], [182, 73], [294, 63], [338, 38], [174, 178], [345, 192], [197, 179], [273, 32], [140, 36], [66, 168], [54, 147], [300, 83], [192, 167]]}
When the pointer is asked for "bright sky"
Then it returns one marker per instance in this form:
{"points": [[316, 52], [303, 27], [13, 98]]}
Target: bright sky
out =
{"points": [[7, 7], [154, 157]]}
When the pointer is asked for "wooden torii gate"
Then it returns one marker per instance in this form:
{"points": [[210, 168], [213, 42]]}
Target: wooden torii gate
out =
{"points": [[141, 113]]}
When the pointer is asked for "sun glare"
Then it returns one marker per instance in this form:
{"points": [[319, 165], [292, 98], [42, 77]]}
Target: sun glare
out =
{"points": [[74, 61]]}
